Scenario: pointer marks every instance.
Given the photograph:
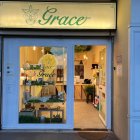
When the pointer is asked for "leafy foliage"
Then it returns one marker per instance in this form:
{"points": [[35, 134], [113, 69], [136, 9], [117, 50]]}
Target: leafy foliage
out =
{"points": [[82, 48], [32, 119], [28, 119], [90, 89]]}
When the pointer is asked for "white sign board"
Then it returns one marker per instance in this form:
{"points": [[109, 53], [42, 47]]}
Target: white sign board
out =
{"points": [[57, 15]]}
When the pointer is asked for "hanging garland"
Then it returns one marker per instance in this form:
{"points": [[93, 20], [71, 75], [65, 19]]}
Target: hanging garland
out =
{"points": [[82, 48]]}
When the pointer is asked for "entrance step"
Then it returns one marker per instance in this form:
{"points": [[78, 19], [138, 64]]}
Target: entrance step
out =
{"points": [[56, 135]]}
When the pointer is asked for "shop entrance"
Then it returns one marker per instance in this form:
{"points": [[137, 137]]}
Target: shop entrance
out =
{"points": [[38, 82], [90, 80]]}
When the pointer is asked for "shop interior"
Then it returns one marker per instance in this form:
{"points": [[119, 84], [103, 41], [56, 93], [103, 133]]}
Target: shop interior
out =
{"points": [[43, 85], [89, 87]]}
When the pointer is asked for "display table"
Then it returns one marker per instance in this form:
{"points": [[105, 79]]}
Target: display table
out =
{"points": [[28, 113], [51, 111], [79, 91]]}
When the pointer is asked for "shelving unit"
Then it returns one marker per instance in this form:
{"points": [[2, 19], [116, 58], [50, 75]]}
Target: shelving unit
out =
{"points": [[102, 102], [38, 91], [102, 86], [51, 112]]}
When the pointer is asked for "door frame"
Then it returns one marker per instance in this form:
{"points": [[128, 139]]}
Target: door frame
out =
{"points": [[69, 43]]}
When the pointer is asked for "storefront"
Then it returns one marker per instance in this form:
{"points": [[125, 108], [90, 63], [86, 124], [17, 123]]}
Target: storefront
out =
{"points": [[51, 56]]}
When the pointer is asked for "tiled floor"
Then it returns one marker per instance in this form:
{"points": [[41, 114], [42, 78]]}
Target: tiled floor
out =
{"points": [[86, 116]]}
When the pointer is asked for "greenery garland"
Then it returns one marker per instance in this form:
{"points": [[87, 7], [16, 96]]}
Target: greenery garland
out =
{"points": [[82, 48]]}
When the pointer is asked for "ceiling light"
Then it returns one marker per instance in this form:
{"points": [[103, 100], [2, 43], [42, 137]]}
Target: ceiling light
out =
{"points": [[34, 48]]}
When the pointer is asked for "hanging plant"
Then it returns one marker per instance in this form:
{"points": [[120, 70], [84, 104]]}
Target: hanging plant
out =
{"points": [[82, 48], [47, 50]]}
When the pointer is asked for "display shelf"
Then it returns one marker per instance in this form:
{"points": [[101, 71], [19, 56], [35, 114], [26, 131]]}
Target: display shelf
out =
{"points": [[102, 106], [36, 85], [57, 117], [33, 69], [28, 112], [49, 101], [47, 88], [28, 66]]}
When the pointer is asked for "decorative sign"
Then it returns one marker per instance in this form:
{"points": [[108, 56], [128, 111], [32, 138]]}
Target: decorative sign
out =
{"points": [[49, 63], [57, 15]]}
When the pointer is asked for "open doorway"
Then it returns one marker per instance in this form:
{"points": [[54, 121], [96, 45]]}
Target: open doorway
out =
{"points": [[90, 87]]}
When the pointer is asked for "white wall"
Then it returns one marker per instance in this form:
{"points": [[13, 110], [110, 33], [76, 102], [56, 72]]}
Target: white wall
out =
{"points": [[120, 107], [93, 58]]}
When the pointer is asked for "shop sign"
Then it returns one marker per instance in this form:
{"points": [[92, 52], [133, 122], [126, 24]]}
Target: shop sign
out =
{"points": [[58, 15], [49, 63]]}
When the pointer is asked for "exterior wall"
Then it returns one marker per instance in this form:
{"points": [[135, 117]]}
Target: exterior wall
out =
{"points": [[134, 71], [135, 10], [134, 84], [120, 106], [120, 82], [0, 77]]}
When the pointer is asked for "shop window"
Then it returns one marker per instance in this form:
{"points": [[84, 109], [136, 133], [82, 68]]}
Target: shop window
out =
{"points": [[42, 84]]}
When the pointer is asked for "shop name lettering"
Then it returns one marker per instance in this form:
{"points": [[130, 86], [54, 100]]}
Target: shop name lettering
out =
{"points": [[41, 74], [45, 74], [48, 18]]}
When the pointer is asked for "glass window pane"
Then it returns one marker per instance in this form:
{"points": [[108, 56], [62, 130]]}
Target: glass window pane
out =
{"points": [[43, 76]]}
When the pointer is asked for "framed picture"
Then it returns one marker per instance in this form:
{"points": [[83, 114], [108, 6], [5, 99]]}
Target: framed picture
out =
{"points": [[79, 71]]}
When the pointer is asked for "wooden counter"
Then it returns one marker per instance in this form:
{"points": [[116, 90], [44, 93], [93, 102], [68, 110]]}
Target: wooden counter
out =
{"points": [[79, 93]]}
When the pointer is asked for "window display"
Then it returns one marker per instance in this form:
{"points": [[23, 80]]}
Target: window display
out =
{"points": [[42, 85]]}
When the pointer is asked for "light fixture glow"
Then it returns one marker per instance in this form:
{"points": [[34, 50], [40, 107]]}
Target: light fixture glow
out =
{"points": [[42, 50], [34, 48], [85, 57]]}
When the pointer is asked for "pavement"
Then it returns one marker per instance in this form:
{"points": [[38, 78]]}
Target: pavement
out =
{"points": [[56, 135]]}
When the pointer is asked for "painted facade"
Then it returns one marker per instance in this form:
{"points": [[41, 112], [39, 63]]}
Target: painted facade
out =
{"points": [[126, 113]]}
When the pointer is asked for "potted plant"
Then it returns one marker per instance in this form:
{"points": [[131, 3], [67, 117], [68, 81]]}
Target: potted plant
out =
{"points": [[90, 91]]}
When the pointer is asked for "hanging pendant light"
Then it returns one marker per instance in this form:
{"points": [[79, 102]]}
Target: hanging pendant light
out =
{"points": [[81, 62]]}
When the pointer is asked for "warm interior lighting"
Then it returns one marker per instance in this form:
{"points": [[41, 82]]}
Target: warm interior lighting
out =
{"points": [[102, 58], [34, 48], [42, 50], [85, 57]]}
